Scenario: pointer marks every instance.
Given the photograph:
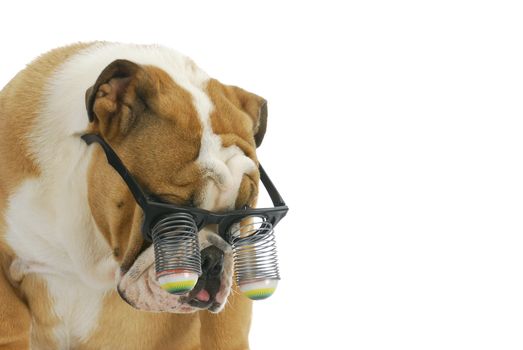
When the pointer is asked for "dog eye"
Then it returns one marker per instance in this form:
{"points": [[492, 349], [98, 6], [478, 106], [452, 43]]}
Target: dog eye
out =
{"points": [[171, 198]]}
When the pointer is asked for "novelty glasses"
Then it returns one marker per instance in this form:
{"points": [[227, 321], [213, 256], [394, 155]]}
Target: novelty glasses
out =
{"points": [[173, 230]]}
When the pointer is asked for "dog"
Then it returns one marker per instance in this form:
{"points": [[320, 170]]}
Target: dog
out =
{"points": [[76, 272]]}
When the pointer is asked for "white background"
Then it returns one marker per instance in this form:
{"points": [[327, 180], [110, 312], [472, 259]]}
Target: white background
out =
{"points": [[395, 135]]}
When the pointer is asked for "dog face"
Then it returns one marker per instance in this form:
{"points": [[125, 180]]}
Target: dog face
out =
{"points": [[188, 140]]}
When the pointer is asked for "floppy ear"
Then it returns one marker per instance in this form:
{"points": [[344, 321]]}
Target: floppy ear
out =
{"points": [[256, 107], [113, 101]]}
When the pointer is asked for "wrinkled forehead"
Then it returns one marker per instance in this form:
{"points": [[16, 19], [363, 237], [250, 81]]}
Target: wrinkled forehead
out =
{"points": [[203, 136]]}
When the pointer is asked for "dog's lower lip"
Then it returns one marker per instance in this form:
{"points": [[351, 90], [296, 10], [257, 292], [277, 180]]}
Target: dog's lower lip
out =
{"points": [[200, 304]]}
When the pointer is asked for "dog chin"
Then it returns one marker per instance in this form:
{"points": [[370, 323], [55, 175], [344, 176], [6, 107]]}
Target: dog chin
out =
{"points": [[139, 288]]}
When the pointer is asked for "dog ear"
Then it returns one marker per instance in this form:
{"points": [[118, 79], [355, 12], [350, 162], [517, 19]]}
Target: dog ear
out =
{"points": [[256, 107], [113, 101]]}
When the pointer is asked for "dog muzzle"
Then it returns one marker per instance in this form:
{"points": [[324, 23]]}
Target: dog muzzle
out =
{"points": [[178, 261]]}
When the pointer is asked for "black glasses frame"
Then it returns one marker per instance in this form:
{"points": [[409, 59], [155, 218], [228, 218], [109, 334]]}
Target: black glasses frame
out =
{"points": [[154, 210]]}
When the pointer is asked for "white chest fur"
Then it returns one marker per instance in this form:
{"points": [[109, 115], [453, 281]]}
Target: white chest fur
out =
{"points": [[77, 307], [61, 247]]}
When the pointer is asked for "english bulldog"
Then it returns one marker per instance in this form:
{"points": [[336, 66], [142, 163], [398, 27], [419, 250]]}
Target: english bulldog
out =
{"points": [[76, 272]]}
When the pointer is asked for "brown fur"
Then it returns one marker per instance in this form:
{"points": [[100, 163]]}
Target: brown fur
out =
{"points": [[145, 331], [159, 142], [227, 330], [15, 318]]}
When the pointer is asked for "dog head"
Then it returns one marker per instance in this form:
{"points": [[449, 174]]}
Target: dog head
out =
{"points": [[187, 140]]}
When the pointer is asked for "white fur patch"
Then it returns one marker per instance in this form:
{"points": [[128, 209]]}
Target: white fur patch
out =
{"points": [[49, 245], [49, 223], [226, 166]]}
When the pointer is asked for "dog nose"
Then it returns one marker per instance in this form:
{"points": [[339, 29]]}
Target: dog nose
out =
{"points": [[212, 262]]}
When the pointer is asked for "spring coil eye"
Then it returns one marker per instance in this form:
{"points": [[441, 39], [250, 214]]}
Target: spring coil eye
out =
{"points": [[255, 257], [176, 252]]}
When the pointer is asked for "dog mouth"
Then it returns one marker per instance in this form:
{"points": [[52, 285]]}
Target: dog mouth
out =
{"points": [[204, 293], [139, 288], [202, 299]]}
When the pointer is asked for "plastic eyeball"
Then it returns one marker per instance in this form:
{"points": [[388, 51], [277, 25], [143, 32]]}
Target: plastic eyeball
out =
{"points": [[260, 289], [177, 281]]}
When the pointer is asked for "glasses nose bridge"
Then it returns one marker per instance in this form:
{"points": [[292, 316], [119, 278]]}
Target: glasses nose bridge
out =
{"points": [[215, 222]]}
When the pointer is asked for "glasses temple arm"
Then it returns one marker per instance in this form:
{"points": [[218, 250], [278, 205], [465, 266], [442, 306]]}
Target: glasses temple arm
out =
{"points": [[137, 191], [271, 189], [117, 164]]}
